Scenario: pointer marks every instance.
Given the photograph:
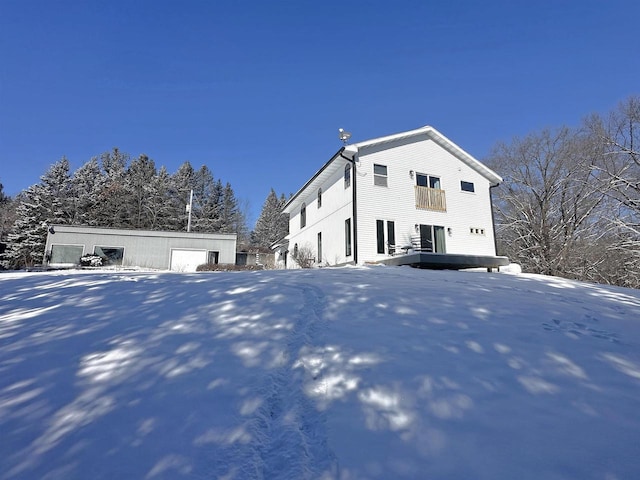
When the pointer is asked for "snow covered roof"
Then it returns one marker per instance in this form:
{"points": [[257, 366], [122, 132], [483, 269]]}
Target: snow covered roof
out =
{"points": [[348, 152]]}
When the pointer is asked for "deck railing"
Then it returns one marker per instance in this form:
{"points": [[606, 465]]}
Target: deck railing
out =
{"points": [[430, 199]]}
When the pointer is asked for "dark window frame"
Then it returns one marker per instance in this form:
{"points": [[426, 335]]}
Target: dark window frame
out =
{"points": [[108, 259], [467, 186], [424, 180], [348, 247], [380, 236]]}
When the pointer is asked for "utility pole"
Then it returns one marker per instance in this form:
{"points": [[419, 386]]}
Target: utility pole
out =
{"points": [[189, 208]]}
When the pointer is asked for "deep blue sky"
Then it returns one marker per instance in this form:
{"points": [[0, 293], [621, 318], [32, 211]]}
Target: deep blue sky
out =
{"points": [[257, 90]]}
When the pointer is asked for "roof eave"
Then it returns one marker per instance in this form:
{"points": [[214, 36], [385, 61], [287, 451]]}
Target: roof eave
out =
{"points": [[292, 202]]}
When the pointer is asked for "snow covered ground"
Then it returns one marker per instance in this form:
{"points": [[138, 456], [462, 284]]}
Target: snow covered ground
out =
{"points": [[352, 373]]}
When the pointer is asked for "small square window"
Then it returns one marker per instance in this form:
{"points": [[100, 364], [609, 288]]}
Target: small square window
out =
{"points": [[467, 187]]}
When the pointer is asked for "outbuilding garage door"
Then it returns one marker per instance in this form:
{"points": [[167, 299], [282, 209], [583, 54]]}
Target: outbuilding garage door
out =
{"points": [[187, 260]]}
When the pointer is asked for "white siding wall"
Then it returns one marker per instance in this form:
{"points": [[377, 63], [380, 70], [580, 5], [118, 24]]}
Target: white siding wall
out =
{"points": [[397, 202], [328, 219]]}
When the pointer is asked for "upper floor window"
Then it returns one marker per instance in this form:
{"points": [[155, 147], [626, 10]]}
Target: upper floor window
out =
{"points": [[427, 181], [347, 176], [380, 175], [467, 186], [319, 197], [303, 215]]}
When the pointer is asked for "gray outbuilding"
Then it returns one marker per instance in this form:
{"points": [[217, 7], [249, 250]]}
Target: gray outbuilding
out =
{"points": [[178, 251]]}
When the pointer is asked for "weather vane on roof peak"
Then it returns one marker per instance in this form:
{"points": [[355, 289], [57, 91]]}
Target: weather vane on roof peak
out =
{"points": [[344, 136]]}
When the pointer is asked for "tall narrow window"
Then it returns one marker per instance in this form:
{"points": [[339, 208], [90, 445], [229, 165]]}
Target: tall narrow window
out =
{"points": [[347, 176], [439, 237], [380, 235], [319, 197], [319, 247], [391, 237], [389, 244], [303, 215], [347, 237], [380, 175]]}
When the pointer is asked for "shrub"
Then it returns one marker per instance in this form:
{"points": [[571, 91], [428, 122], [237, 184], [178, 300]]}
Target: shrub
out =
{"points": [[91, 260], [226, 267], [303, 256]]}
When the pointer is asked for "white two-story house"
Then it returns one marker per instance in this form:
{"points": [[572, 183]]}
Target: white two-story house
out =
{"points": [[410, 198]]}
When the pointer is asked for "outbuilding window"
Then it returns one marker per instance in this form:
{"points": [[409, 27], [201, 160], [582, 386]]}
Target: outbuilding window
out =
{"points": [[110, 255], [66, 254]]}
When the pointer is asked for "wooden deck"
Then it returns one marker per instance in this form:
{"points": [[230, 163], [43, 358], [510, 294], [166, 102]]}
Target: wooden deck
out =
{"points": [[446, 261]]}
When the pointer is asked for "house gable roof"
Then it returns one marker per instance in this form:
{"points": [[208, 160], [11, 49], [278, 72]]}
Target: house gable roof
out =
{"points": [[350, 151], [314, 182]]}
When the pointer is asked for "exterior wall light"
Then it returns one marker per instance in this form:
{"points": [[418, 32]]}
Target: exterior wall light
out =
{"points": [[411, 173]]}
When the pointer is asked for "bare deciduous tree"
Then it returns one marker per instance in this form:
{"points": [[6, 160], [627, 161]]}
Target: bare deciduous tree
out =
{"points": [[545, 208], [619, 136]]}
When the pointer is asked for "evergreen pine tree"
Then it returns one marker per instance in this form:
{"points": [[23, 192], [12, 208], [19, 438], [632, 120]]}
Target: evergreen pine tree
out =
{"points": [[138, 189], [283, 220], [159, 202], [181, 183], [7, 212], [206, 209], [112, 196], [26, 241], [56, 197], [41, 205], [230, 218], [270, 225], [86, 184]]}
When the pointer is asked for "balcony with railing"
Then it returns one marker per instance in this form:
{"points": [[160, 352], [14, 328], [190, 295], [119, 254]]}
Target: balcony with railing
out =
{"points": [[430, 199]]}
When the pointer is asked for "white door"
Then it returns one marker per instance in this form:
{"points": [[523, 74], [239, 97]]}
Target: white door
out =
{"points": [[187, 260]]}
